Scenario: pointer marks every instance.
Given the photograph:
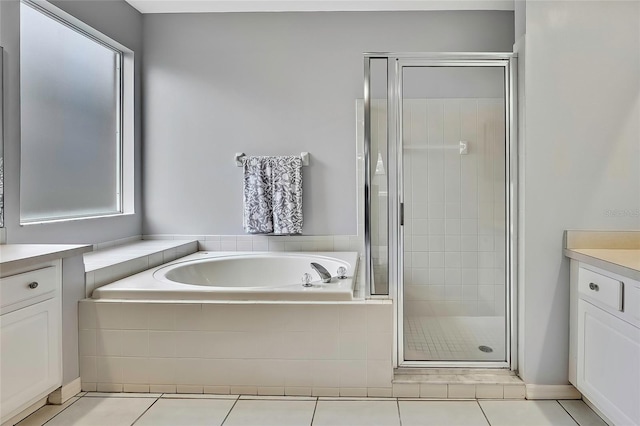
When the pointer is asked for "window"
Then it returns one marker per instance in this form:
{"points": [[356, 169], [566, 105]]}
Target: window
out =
{"points": [[71, 103]]}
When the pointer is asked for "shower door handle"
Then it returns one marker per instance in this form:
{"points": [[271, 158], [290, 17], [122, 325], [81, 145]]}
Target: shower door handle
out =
{"points": [[401, 214]]}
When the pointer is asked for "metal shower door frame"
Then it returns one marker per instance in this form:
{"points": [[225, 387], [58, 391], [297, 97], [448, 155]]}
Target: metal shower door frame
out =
{"points": [[395, 64]]}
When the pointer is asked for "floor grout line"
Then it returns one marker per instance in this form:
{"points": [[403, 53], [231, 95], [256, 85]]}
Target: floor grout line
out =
{"points": [[55, 415], [315, 407], [483, 413], [572, 418], [230, 410], [145, 411], [399, 415]]}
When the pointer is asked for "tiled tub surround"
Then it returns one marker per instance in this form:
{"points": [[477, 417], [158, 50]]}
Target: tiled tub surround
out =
{"points": [[269, 242], [112, 262], [320, 349]]}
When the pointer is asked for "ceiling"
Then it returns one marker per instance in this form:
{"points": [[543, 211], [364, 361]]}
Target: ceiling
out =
{"points": [[204, 6]]}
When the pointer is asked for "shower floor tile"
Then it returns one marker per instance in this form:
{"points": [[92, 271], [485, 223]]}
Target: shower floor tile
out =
{"points": [[451, 338]]}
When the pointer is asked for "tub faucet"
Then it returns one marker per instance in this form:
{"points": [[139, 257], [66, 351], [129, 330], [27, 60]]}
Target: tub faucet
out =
{"points": [[324, 274]]}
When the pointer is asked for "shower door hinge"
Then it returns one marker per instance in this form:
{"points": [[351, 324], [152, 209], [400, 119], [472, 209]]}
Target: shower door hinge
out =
{"points": [[401, 214]]}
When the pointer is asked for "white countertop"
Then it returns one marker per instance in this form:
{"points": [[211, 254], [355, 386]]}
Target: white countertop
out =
{"points": [[625, 258], [13, 254], [625, 262], [614, 251]]}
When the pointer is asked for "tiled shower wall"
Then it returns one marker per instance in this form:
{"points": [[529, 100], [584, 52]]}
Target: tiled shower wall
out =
{"points": [[454, 234]]}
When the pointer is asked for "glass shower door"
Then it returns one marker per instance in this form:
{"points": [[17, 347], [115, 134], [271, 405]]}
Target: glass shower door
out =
{"points": [[454, 247], [376, 149]]}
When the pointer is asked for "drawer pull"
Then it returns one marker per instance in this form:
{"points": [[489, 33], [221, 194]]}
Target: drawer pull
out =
{"points": [[33, 285], [594, 287]]}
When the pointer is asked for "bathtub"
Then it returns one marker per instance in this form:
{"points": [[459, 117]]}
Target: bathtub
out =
{"points": [[239, 276]]}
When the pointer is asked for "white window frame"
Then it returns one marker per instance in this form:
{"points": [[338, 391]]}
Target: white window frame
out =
{"points": [[125, 137]]}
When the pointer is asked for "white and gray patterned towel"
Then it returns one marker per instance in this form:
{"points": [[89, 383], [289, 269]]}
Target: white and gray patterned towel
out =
{"points": [[273, 195]]}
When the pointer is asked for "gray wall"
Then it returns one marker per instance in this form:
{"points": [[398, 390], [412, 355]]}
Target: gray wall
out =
{"points": [[579, 156], [271, 84], [520, 18], [453, 82], [121, 22]]}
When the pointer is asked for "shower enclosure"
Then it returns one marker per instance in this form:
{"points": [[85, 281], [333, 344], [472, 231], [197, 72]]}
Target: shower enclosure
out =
{"points": [[439, 199]]}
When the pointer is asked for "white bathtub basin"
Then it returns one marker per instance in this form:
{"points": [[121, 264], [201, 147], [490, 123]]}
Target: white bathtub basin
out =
{"points": [[238, 276]]}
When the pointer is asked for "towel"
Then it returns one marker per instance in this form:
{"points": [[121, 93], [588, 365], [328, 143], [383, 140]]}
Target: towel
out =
{"points": [[272, 195], [286, 180], [258, 211]]}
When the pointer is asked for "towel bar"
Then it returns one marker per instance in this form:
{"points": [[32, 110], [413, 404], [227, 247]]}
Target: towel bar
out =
{"points": [[462, 146], [303, 155]]}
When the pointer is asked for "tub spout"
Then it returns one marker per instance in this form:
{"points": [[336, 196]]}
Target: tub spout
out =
{"points": [[325, 276]]}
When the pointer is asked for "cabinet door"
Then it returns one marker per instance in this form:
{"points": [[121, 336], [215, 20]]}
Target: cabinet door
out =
{"points": [[31, 362], [608, 366]]}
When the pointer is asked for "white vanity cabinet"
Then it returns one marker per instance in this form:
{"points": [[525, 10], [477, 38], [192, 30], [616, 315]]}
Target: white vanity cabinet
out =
{"points": [[605, 341], [30, 335]]}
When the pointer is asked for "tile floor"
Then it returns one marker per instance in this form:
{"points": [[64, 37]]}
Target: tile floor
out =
{"points": [[454, 338], [104, 409]]}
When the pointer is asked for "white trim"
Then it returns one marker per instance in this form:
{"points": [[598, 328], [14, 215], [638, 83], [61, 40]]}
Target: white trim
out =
{"points": [[206, 6], [65, 392], [74, 218], [78, 24], [552, 392], [511, 191], [518, 274], [126, 144]]}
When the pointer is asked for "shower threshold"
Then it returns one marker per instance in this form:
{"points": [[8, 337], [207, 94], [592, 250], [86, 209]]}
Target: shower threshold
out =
{"points": [[458, 383]]}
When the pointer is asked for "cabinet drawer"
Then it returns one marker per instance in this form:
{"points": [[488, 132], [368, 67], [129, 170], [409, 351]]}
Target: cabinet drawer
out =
{"points": [[21, 287], [600, 288]]}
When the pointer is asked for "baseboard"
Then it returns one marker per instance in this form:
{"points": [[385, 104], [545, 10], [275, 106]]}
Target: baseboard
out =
{"points": [[65, 392], [552, 392]]}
